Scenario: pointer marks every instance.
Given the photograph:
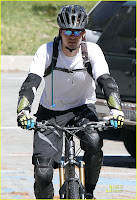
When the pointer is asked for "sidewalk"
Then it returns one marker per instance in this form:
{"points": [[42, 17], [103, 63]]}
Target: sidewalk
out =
{"points": [[15, 63]]}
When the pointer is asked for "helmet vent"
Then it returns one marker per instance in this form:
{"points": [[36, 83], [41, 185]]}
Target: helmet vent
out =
{"points": [[61, 19], [73, 10], [67, 18], [73, 19], [79, 16]]}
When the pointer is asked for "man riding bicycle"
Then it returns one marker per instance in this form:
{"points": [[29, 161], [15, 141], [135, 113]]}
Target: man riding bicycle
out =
{"points": [[71, 67]]}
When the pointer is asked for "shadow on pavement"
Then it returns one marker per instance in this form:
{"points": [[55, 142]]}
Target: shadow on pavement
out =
{"points": [[119, 161], [116, 161]]}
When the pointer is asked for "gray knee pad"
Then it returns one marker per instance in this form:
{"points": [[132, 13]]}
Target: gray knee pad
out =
{"points": [[91, 141], [43, 174]]}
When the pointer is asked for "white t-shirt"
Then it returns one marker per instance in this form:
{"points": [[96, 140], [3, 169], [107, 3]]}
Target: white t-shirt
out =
{"points": [[69, 89]]}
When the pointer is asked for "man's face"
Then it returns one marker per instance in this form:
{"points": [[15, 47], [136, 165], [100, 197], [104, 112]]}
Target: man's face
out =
{"points": [[71, 38]]}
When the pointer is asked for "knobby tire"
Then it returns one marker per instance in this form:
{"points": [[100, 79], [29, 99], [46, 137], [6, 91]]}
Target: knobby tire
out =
{"points": [[73, 190], [72, 186]]}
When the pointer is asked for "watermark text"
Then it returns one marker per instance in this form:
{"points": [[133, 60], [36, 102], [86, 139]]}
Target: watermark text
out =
{"points": [[114, 188]]}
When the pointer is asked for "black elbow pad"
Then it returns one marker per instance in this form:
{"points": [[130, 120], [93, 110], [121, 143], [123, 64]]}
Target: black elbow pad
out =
{"points": [[110, 90], [27, 91]]}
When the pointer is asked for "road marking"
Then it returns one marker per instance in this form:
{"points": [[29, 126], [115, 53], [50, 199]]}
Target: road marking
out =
{"points": [[28, 171], [26, 154], [13, 171], [118, 173], [125, 154], [9, 127], [14, 154], [13, 78]]}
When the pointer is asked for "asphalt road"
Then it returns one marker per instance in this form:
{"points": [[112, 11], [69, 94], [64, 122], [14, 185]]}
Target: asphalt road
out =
{"points": [[118, 174]]}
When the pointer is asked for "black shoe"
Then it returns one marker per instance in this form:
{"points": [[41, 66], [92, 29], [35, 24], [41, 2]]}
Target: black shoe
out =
{"points": [[89, 196]]}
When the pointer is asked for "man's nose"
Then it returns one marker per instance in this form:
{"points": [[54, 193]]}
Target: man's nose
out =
{"points": [[72, 35]]}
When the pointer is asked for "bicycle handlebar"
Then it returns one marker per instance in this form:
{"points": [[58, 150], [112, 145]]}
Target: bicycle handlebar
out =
{"points": [[102, 125]]}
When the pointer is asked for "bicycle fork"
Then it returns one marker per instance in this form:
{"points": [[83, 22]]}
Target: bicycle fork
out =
{"points": [[70, 154]]}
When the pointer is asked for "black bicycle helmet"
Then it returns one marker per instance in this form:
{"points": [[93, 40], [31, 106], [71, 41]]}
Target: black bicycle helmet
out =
{"points": [[72, 17]]}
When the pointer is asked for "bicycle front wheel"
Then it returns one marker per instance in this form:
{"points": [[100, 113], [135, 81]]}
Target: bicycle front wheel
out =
{"points": [[73, 190]]}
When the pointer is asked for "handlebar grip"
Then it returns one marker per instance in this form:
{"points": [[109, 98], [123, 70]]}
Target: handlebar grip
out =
{"points": [[107, 122]]}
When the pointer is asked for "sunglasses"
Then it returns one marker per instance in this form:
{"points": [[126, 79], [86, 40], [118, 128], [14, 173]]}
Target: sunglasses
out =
{"points": [[69, 32]]}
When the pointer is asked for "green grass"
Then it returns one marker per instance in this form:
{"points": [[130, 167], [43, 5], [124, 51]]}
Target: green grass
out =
{"points": [[27, 25]]}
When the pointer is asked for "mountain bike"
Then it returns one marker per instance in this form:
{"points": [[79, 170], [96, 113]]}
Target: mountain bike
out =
{"points": [[72, 185]]}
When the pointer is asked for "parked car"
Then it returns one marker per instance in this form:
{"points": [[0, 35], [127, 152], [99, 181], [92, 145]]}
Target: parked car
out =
{"points": [[99, 16], [117, 39]]}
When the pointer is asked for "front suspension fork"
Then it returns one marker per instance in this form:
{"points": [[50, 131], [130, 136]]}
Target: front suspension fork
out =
{"points": [[81, 166]]}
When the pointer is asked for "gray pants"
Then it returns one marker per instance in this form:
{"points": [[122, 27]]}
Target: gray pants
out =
{"points": [[48, 148]]}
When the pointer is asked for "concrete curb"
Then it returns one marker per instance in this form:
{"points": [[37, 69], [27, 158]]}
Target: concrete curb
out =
{"points": [[15, 63]]}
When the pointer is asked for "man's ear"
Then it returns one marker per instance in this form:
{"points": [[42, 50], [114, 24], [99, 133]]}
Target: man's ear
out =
{"points": [[60, 32], [84, 33], [83, 37]]}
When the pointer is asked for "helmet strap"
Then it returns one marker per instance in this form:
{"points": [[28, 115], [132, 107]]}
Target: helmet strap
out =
{"points": [[71, 49]]}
